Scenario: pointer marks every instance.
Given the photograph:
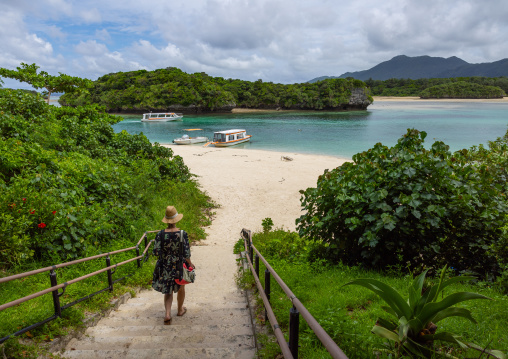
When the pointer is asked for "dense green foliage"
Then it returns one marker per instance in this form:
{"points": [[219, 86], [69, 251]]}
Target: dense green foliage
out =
{"points": [[171, 88], [410, 206], [347, 313], [462, 89], [68, 182], [409, 87], [61, 83]]}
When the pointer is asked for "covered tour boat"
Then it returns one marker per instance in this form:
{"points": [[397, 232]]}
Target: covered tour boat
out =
{"points": [[161, 117], [229, 138], [187, 140]]}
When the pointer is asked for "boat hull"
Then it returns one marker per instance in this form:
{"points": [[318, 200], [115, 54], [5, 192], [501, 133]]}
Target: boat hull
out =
{"points": [[232, 143], [179, 118], [190, 141]]}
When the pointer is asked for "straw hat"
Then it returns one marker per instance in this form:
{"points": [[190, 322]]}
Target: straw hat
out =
{"points": [[172, 215]]}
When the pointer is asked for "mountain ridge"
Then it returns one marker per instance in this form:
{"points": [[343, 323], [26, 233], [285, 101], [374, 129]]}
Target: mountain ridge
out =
{"points": [[406, 67]]}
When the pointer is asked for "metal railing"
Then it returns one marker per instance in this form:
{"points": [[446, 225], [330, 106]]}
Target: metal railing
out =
{"points": [[289, 350], [55, 287]]}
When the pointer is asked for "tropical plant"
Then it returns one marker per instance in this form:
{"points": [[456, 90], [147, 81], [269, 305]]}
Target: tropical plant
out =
{"points": [[267, 224], [413, 331], [61, 83]]}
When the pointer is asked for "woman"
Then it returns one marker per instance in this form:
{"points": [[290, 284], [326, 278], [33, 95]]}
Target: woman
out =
{"points": [[168, 267]]}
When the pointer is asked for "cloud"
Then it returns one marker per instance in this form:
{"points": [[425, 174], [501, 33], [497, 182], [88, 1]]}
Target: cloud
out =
{"points": [[280, 41], [96, 60]]}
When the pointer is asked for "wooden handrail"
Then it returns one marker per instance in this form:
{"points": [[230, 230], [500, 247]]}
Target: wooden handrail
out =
{"points": [[56, 287], [63, 285], [321, 334], [61, 265]]}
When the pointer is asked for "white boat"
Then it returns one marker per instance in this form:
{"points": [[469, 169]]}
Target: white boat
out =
{"points": [[229, 138], [161, 117], [187, 140]]}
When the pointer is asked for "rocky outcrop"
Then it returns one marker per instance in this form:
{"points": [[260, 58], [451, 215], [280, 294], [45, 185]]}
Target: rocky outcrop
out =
{"points": [[360, 98]]}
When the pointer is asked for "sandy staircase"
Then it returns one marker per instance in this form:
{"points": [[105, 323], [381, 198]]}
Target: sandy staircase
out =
{"points": [[217, 323]]}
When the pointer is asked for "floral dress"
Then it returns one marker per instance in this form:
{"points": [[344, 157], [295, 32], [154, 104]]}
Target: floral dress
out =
{"points": [[167, 269]]}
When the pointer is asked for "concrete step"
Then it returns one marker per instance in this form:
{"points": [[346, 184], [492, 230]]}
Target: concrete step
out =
{"points": [[203, 319], [173, 339], [163, 330], [144, 305], [187, 353], [196, 296], [192, 312]]}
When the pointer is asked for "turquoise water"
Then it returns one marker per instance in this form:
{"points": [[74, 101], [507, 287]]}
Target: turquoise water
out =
{"points": [[458, 124]]}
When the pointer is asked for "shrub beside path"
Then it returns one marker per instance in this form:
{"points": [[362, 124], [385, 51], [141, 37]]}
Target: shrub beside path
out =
{"points": [[248, 186]]}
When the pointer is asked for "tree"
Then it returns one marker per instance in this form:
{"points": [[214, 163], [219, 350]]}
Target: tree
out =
{"points": [[61, 83]]}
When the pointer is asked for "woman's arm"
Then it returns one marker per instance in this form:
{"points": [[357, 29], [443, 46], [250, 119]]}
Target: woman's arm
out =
{"points": [[187, 252]]}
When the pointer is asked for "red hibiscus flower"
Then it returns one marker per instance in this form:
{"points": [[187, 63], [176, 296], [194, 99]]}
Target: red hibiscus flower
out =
{"points": [[24, 199], [54, 212], [32, 211], [41, 225]]}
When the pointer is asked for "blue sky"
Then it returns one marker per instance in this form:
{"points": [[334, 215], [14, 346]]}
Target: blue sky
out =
{"points": [[283, 41]]}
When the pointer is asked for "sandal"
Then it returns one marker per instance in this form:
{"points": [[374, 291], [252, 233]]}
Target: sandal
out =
{"points": [[184, 311], [168, 321]]}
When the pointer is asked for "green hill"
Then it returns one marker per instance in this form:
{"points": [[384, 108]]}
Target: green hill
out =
{"points": [[420, 67]]}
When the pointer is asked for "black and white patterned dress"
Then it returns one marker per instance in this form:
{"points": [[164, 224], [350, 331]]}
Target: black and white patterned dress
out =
{"points": [[167, 269]]}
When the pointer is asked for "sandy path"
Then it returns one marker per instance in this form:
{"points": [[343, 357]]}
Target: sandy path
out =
{"points": [[249, 185]]}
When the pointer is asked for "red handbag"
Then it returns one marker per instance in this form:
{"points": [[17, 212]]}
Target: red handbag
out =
{"points": [[188, 275]]}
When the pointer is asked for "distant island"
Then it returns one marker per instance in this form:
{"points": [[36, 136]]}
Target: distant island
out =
{"points": [[172, 90], [426, 67], [463, 90]]}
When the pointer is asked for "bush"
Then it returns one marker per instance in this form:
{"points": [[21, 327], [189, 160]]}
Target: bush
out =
{"points": [[406, 204], [68, 182]]}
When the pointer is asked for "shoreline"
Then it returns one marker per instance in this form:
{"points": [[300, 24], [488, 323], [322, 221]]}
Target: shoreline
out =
{"points": [[239, 110], [418, 99], [199, 147]]}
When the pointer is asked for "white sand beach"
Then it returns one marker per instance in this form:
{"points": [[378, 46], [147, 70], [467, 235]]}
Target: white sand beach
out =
{"points": [[250, 185]]}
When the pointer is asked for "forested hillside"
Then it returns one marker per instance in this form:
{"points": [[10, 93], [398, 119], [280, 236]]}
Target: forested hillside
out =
{"points": [[171, 89], [408, 87], [462, 89]]}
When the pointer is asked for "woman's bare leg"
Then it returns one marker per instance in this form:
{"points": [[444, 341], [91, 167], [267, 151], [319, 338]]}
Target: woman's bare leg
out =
{"points": [[180, 299], [168, 301]]}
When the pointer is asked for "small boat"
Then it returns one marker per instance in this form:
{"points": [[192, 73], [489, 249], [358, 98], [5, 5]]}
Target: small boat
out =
{"points": [[229, 138], [187, 140], [161, 117]]}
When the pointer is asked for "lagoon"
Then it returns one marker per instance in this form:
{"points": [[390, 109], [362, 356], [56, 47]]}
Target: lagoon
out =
{"points": [[343, 134]]}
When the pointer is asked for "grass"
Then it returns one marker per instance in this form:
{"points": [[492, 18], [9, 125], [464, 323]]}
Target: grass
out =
{"points": [[186, 197], [348, 313]]}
